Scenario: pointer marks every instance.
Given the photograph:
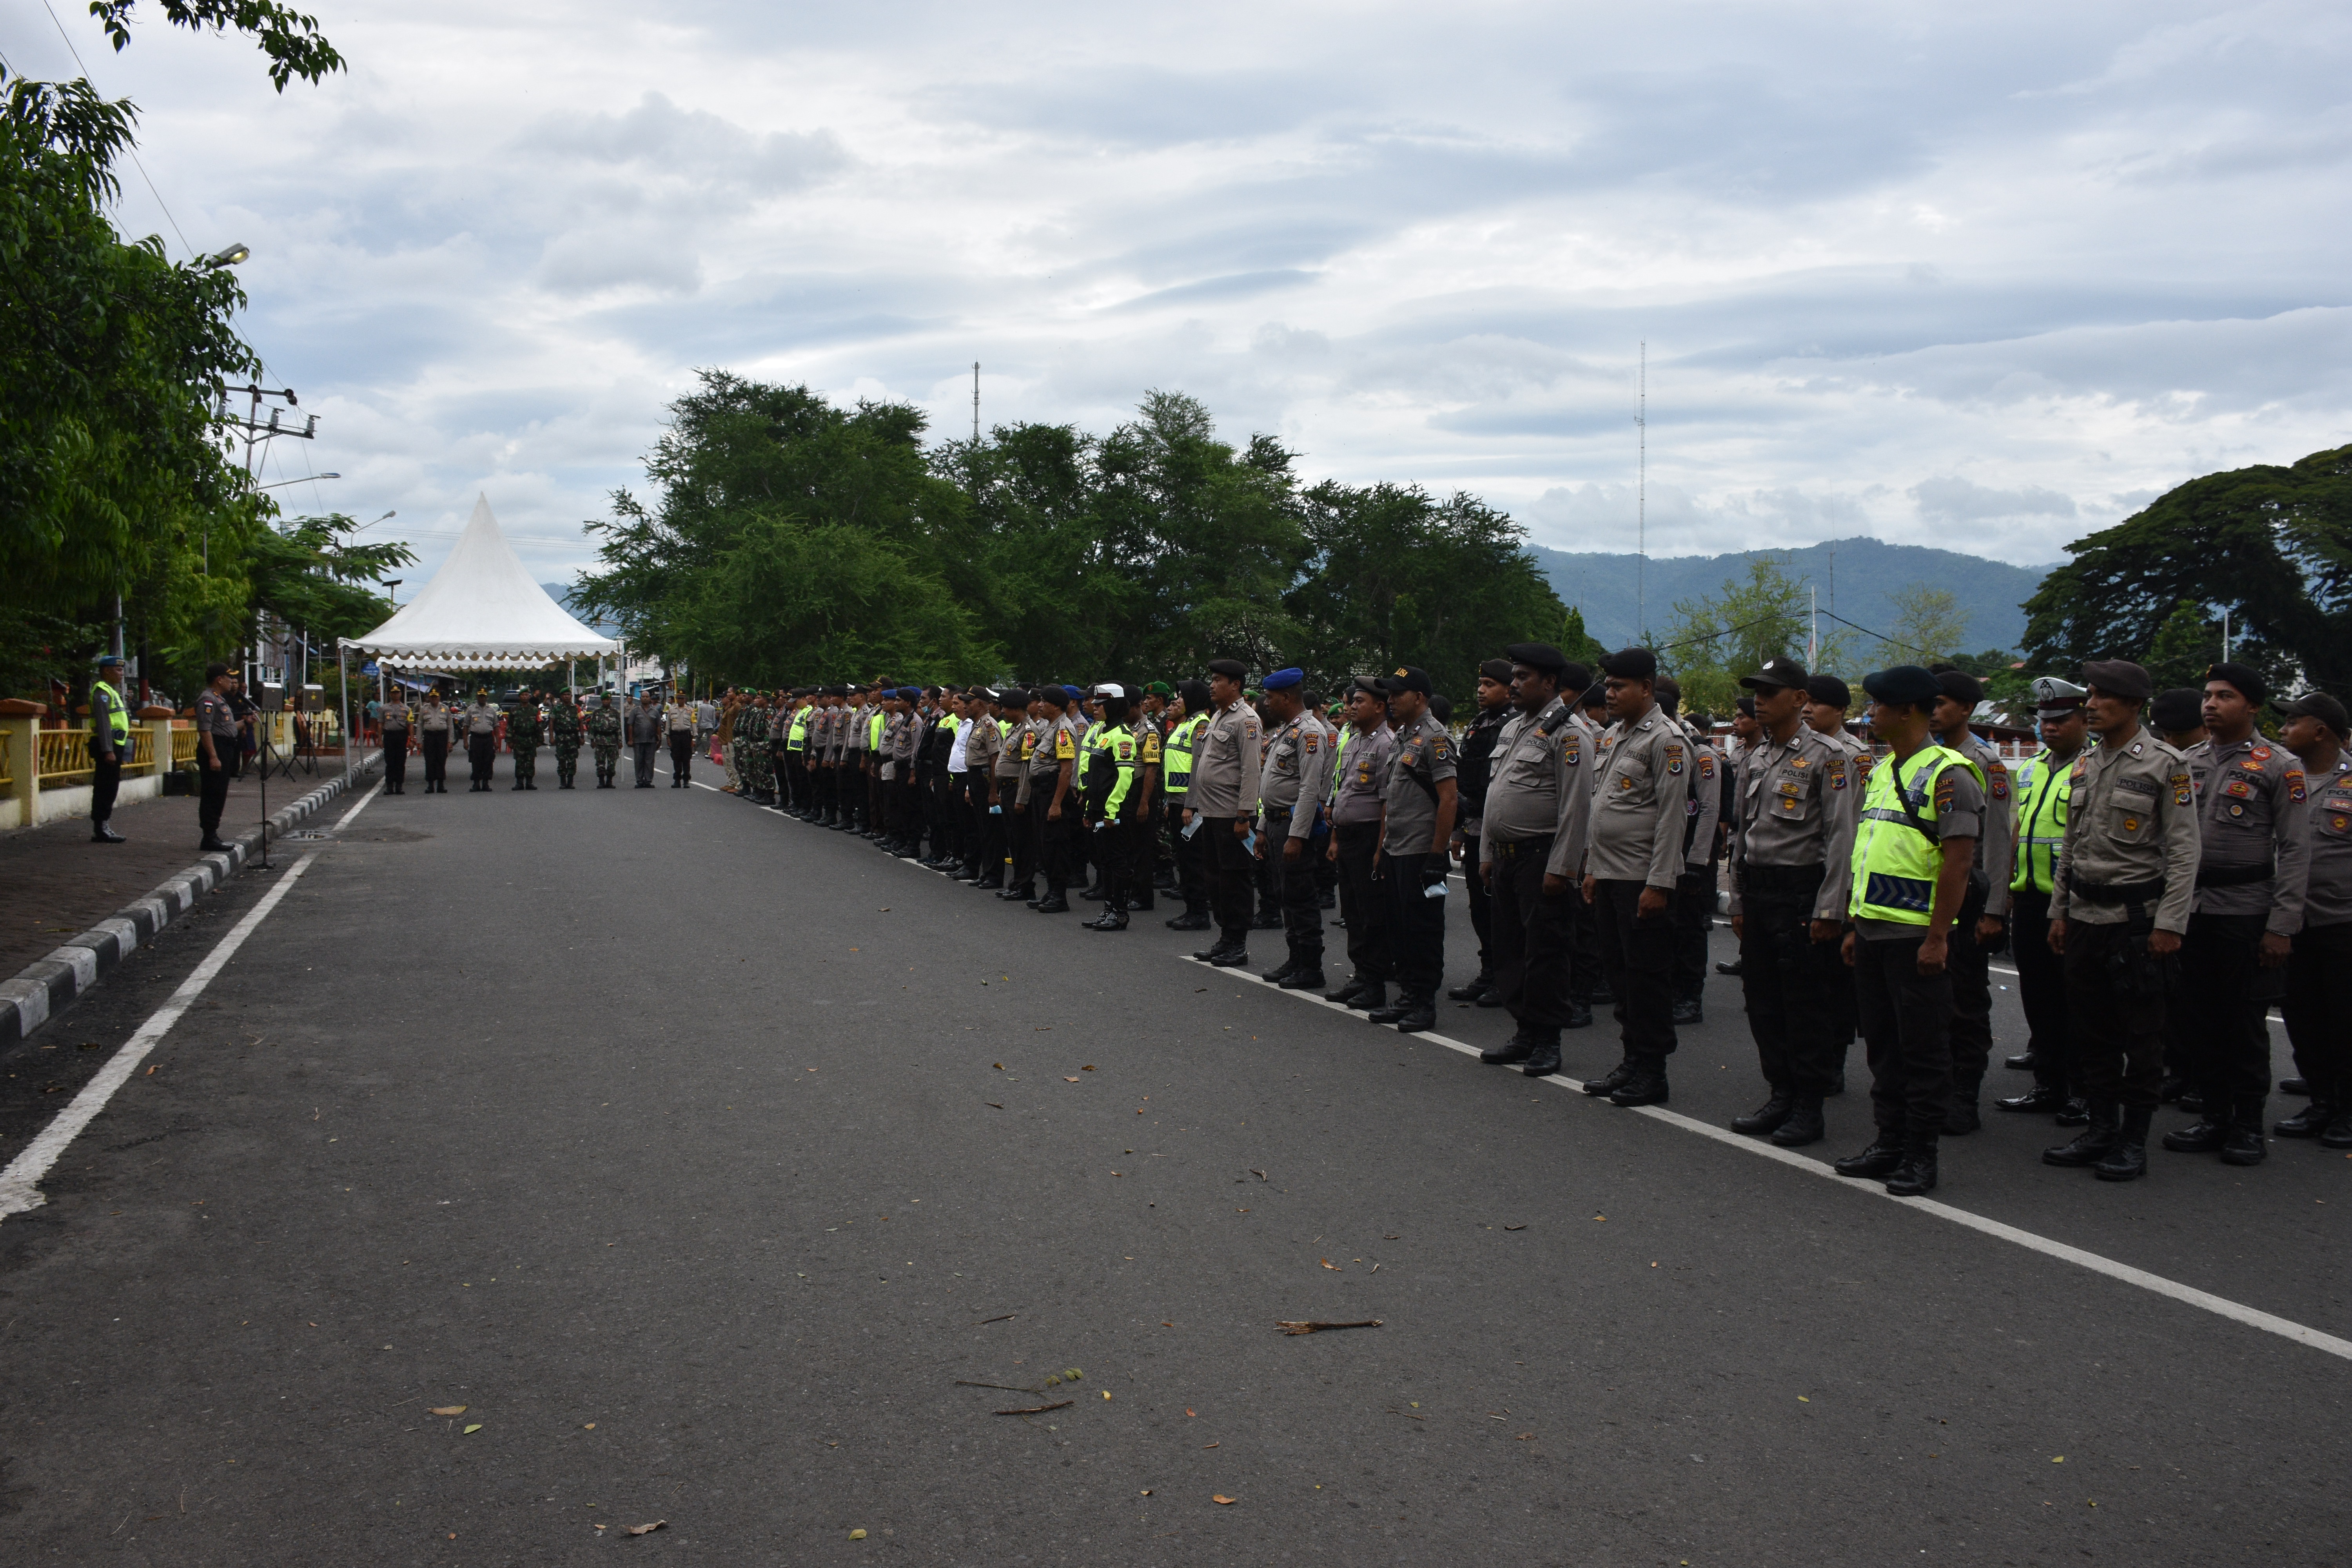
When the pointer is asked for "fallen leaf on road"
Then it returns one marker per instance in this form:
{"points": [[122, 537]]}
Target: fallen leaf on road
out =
{"points": [[1308, 1327], [1261, 1175], [1069, 1080], [1187, 1412], [856, 1535], [448, 1410], [1088, 1067], [591, 1426], [1147, 1491], [1523, 1438], [1106, 1393], [650, 1528], [1331, 1266], [1222, 1498], [993, 1105], [998, 1065], [474, 1426], [1208, 1445], [1515, 1227]]}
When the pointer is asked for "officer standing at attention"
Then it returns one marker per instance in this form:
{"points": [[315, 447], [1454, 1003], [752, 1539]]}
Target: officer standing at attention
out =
{"points": [[2319, 975], [1416, 825], [2044, 784], [1588, 976], [482, 739], [1363, 768], [563, 734], [1223, 800], [1474, 762], [1694, 902], [1110, 802], [1053, 798], [677, 725], [2127, 879], [435, 727], [1983, 927], [216, 744], [1291, 786], [392, 720], [605, 730], [980, 741], [1184, 849], [523, 738], [1531, 853], [1796, 803], [1633, 858], [1911, 856], [1825, 711], [110, 747], [2255, 833], [645, 737]]}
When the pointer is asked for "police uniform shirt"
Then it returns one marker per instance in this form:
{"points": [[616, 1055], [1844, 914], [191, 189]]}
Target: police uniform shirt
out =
{"points": [[2131, 818], [2327, 886], [1224, 764], [1363, 770], [481, 719], [1475, 760], [1996, 845], [1798, 805], [1638, 807], [1296, 757], [215, 718], [2252, 808], [981, 741], [1959, 814], [1537, 786], [1704, 809], [677, 716], [1423, 758], [393, 716], [434, 720]]}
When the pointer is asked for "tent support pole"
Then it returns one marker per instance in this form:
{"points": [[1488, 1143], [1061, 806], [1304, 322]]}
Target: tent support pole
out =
{"points": [[344, 685]]}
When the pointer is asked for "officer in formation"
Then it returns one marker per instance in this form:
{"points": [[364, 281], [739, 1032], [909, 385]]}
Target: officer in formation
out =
{"points": [[481, 721], [2319, 971], [677, 727], [524, 737], [1188, 716], [1695, 889], [563, 734], [1223, 798], [216, 741], [645, 737], [2043, 784], [1474, 764], [605, 734], [110, 747], [435, 726], [1361, 762], [1635, 859], [393, 718], [1294, 773], [1983, 927]]}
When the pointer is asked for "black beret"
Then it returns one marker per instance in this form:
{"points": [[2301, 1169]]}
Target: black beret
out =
{"points": [[1829, 688], [2177, 708], [1747, 705], [1441, 708], [1576, 678], [1961, 687], [1538, 656], [1497, 670], [1903, 683], [1017, 697], [2118, 678], [2254, 688], [1052, 696], [1232, 667], [1372, 686], [1785, 673], [1407, 678], [1631, 664], [2322, 707]]}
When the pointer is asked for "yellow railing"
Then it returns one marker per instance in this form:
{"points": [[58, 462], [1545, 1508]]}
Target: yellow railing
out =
{"points": [[184, 745], [7, 750], [65, 755]]}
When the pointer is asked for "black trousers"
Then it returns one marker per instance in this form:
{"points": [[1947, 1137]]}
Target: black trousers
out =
{"points": [[214, 801], [1192, 871], [643, 753], [1416, 924], [2229, 1043], [436, 756], [1587, 974], [1907, 1028], [1021, 841], [1113, 845], [483, 751], [1532, 931], [1639, 954], [1049, 851], [395, 757], [2040, 991], [105, 778], [1231, 874], [2116, 1014], [1482, 903], [1294, 880], [2318, 1009], [1786, 979], [1694, 918], [1362, 901], [681, 754], [1969, 966]]}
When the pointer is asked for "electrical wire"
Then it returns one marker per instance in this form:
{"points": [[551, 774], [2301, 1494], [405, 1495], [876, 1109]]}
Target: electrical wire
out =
{"points": [[130, 147]]}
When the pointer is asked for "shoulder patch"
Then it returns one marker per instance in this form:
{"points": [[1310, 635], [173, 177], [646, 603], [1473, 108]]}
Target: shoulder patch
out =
{"points": [[1311, 738], [1706, 764], [1061, 746], [2295, 785], [1837, 773], [2262, 753], [1673, 755], [1570, 750]]}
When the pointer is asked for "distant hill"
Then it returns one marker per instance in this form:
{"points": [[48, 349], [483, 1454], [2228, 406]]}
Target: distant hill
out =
{"points": [[563, 595], [1854, 577]]}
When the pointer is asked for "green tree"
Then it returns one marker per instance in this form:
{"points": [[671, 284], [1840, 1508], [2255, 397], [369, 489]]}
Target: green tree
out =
{"points": [[1928, 626], [2184, 645], [290, 40], [1712, 642]]}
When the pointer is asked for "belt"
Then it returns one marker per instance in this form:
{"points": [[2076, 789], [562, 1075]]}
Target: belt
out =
{"points": [[2235, 876], [1754, 878], [2116, 892], [1512, 848]]}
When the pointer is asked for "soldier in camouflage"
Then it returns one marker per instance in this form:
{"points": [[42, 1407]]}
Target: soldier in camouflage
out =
{"points": [[605, 737], [524, 737], [563, 732]]}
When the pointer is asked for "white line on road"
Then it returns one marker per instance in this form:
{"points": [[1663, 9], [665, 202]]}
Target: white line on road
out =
{"points": [[20, 1183]]}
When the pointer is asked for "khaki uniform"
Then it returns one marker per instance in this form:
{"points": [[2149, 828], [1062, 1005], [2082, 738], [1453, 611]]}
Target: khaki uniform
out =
{"points": [[1224, 789], [1639, 818], [1539, 806]]}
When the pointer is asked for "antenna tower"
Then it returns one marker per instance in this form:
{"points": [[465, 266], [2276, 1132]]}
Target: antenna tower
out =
{"points": [[1642, 500], [975, 403]]}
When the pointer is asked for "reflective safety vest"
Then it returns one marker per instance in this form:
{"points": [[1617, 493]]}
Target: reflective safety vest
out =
{"points": [[1338, 755], [796, 738], [874, 730], [1896, 862], [105, 698], [1112, 749], [2043, 786], [1176, 755]]}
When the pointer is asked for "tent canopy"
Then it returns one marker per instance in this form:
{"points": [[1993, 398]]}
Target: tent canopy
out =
{"points": [[481, 611]]}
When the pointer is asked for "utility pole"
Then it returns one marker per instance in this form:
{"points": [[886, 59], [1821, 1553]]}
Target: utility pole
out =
{"points": [[1642, 501], [975, 403]]}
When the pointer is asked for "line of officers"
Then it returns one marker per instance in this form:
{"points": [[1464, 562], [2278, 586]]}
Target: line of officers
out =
{"points": [[2159, 891]]}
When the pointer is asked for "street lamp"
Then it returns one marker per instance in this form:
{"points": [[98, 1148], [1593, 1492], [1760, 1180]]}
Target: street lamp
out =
{"points": [[387, 516], [304, 480], [392, 589], [228, 257]]}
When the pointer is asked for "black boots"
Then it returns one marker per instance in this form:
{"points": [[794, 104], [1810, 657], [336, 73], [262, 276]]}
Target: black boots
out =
{"points": [[1191, 919], [1308, 976], [2309, 1123], [1963, 1118], [212, 844], [2128, 1160], [1767, 1117], [2204, 1136], [1511, 1052], [1543, 1060], [1802, 1125], [1915, 1177], [2042, 1097], [1882, 1159], [2094, 1143], [1474, 990], [1646, 1084]]}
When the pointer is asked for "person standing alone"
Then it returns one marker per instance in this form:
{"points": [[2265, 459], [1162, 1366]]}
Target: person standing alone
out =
{"points": [[215, 746], [393, 717]]}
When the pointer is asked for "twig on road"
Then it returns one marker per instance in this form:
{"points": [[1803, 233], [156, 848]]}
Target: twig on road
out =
{"points": [[1032, 1409], [1289, 1328]]}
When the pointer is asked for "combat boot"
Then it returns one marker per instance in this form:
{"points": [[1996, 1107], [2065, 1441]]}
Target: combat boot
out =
{"points": [[1234, 954], [2339, 1131], [1370, 997], [1191, 919], [1767, 1117], [1579, 1015], [1308, 976], [1803, 1124], [2128, 1160], [2093, 1144], [1544, 1059], [1421, 1016], [1055, 902], [2309, 1123], [1112, 918], [1519, 1048], [1915, 1177], [1346, 993], [2040, 1096], [1963, 1118], [1882, 1159], [1645, 1085], [1018, 891], [1277, 976], [1609, 1082], [1404, 1004], [1687, 1011], [1475, 989], [2204, 1136], [2245, 1145]]}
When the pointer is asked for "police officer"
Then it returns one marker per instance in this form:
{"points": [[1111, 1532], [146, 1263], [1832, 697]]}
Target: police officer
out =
{"points": [[1828, 701], [1053, 807], [1291, 786], [481, 720], [2125, 881], [2255, 834], [435, 726], [1588, 976], [1416, 825], [981, 741], [2319, 973], [1363, 768], [644, 735], [1185, 848], [110, 747], [1796, 801], [1694, 903], [2043, 784], [393, 718], [1224, 801], [1983, 927], [677, 725], [604, 732], [1111, 801], [1913, 852], [1474, 762], [215, 748], [1531, 852], [1634, 858]]}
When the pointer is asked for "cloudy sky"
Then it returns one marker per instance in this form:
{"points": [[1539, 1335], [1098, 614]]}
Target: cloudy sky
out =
{"points": [[1984, 277]]}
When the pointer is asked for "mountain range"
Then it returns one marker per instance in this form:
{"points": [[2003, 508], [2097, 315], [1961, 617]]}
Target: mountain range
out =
{"points": [[1854, 576]]}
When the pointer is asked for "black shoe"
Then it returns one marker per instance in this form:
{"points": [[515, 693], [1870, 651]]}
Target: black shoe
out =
{"points": [[2309, 1123], [1277, 976], [1804, 1125], [1767, 1117], [1474, 990], [1110, 919], [990, 884], [1545, 1061], [2201, 1137], [2192, 1101], [1346, 993], [2245, 1145], [99, 833], [1209, 952], [1188, 923], [1837, 1085], [1094, 894], [1731, 968], [1490, 997], [1266, 922], [1915, 1177], [1642, 1086], [1018, 893], [1370, 997], [1053, 904], [212, 845], [2295, 1086], [2040, 1096], [1234, 957], [1510, 1053], [2022, 1062], [2128, 1160], [2169, 1091], [1962, 1119], [1688, 1011], [1393, 1011], [2339, 1131], [1303, 980], [2077, 1112], [2093, 1144], [1146, 903], [1609, 1082], [1882, 1159], [1579, 1015], [1423, 1015]]}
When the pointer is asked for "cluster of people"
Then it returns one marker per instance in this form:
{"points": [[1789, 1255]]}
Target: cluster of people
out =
{"points": [[530, 721]]}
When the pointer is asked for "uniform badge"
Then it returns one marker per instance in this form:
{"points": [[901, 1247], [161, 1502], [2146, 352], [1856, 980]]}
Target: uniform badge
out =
{"points": [[1706, 766], [1311, 743], [2294, 788], [1127, 750], [1837, 773], [2339, 822], [2131, 825], [2181, 785], [2239, 787], [1674, 758], [2137, 746], [2236, 810], [1997, 781], [1800, 763], [1570, 752], [2262, 753]]}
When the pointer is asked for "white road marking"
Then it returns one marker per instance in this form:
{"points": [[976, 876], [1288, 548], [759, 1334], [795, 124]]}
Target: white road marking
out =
{"points": [[2253, 1318], [20, 1183]]}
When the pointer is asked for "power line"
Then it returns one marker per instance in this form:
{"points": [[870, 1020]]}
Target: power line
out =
{"points": [[129, 147]]}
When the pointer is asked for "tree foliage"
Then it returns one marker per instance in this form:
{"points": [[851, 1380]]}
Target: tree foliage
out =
{"points": [[1928, 627], [1712, 642], [290, 40]]}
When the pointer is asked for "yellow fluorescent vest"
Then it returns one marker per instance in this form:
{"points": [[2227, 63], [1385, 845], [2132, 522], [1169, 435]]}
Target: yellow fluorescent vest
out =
{"points": [[2045, 785], [1896, 864]]}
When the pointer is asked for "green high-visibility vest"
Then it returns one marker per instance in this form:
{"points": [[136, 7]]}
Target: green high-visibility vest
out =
{"points": [[796, 738], [1338, 755], [1176, 755], [1894, 863], [2044, 787], [118, 713], [874, 731], [1117, 748]]}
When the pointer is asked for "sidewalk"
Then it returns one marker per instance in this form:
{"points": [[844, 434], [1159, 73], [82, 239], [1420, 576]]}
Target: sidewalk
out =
{"points": [[55, 883]]}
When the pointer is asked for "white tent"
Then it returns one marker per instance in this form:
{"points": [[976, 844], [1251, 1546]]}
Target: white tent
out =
{"points": [[481, 611]]}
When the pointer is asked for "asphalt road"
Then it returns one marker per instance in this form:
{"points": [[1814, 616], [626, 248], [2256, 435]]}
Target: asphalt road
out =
{"points": [[698, 1154]]}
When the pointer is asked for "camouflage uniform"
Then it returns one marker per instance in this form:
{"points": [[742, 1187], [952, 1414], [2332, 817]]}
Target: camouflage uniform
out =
{"points": [[524, 737], [751, 743], [605, 737], [564, 731]]}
